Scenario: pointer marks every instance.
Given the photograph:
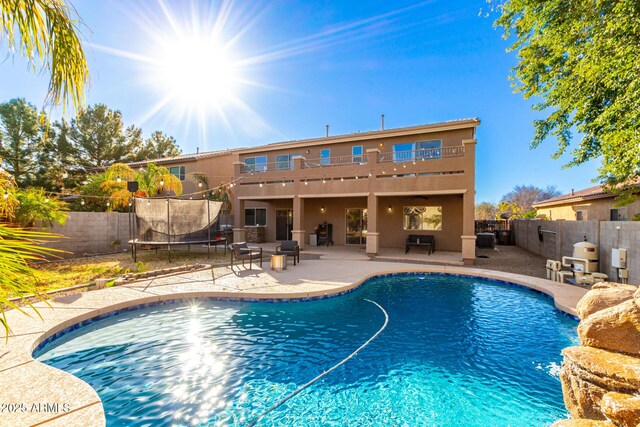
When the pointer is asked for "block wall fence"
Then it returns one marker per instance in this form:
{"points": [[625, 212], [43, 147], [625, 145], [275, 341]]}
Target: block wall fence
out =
{"points": [[91, 233], [558, 238]]}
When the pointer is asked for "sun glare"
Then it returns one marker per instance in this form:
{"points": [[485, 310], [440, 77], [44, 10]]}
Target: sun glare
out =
{"points": [[196, 71]]}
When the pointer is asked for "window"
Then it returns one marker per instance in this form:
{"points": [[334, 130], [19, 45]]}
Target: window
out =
{"points": [[255, 216], [256, 164], [422, 217], [429, 150], [282, 162], [619, 214], [403, 152], [178, 171], [325, 156], [285, 162], [581, 215], [356, 154]]}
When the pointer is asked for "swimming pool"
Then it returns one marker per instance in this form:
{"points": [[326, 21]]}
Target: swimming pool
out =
{"points": [[456, 351]]}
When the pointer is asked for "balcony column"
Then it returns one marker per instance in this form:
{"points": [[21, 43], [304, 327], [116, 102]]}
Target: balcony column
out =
{"points": [[239, 232], [373, 244], [468, 204], [298, 233]]}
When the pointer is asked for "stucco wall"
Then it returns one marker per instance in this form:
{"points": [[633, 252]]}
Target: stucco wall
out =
{"points": [[389, 223], [560, 236], [593, 210], [91, 233]]}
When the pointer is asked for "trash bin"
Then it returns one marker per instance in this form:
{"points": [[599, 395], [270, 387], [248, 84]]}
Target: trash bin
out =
{"points": [[503, 237], [313, 240], [486, 240]]}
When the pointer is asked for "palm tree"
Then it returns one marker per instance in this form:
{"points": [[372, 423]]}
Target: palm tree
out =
{"points": [[156, 179], [45, 30]]}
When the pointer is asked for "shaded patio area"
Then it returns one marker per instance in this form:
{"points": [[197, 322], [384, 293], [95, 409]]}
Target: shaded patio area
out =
{"points": [[358, 253]]}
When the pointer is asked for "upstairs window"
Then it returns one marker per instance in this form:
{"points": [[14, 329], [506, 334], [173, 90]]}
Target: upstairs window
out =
{"points": [[256, 164], [356, 154], [178, 171], [403, 152], [429, 150], [282, 162], [325, 156]]}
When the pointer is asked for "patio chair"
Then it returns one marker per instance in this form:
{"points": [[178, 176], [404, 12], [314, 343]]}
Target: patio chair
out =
{"points": [[290, 248], [241, 252]]}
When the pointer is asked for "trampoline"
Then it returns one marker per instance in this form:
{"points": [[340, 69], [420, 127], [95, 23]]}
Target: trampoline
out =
{"points": [[169, 222]]}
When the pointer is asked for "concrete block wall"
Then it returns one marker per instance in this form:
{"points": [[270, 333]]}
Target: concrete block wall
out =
{"points": [[89, 233], [560, 236]]}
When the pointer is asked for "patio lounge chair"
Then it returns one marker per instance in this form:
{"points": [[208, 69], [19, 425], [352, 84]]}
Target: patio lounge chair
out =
{"points": [[289, 247], [241, 252]]}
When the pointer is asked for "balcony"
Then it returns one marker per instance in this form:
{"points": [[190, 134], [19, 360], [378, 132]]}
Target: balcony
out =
{"points": [[357, 163]]}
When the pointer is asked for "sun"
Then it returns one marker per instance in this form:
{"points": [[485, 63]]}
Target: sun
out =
{"points": [[197, 71]]}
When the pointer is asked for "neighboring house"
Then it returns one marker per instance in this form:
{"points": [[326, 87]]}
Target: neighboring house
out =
{"points": [[216, 166], [589, 204], [374, 188]]}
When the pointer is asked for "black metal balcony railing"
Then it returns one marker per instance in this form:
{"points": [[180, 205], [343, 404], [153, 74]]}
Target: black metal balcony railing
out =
{"points": [[422, 154], [398, 156], [334, 161]]}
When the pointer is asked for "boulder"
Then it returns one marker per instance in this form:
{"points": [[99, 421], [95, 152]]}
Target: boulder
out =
{"points": [[615, 328], [588, 374], [622, 409], [604, 295], [582, 423]]}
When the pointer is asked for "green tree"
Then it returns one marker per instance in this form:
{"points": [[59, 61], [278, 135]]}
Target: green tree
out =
{"points": [[20, 135], [582, 59], [100, 138], [56, 159], [158, 146], [35, 205], [45, 30]]}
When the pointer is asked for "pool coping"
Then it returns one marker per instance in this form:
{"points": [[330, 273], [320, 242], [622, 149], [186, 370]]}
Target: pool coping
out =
{"points": [[71, 401]]}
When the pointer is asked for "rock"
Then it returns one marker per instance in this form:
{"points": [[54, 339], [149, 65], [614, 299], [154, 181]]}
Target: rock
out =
{"points": [[588, 374], [604, 295], [582, 423], [622, 409], [615, 328]]}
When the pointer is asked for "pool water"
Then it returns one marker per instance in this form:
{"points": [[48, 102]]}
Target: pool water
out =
{"points": [[456, 351]]}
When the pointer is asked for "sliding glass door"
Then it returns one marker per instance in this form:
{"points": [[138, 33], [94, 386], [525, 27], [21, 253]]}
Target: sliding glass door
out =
{"points": [[356, 226]]}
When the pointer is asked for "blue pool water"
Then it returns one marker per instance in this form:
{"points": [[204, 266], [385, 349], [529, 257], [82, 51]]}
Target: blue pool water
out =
{"points": [[456, 351]]}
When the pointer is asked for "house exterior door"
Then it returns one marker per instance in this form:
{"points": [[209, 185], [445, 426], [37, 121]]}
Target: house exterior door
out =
{"points": [[284, 224], [356, 220]]}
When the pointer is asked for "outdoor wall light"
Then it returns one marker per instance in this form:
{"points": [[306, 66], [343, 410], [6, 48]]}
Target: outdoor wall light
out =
{"points": [[381, 144], [322, 209]]}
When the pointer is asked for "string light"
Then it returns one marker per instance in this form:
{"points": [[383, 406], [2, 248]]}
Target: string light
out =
{"points": [[200, 184], [283, 183], [6, 194], [323, 180], [305, 182], [118, 180], [46, 200], [162, 183], [356, 176], [261, 185], [108, 204], [341, 179], [82, 202], [65, 175]]}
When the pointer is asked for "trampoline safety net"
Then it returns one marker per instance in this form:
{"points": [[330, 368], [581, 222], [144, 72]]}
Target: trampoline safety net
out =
{"points": [[174, 220]]}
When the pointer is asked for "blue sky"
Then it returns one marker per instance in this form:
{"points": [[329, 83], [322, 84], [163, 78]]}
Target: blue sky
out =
{"points": [[300, 65]]}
